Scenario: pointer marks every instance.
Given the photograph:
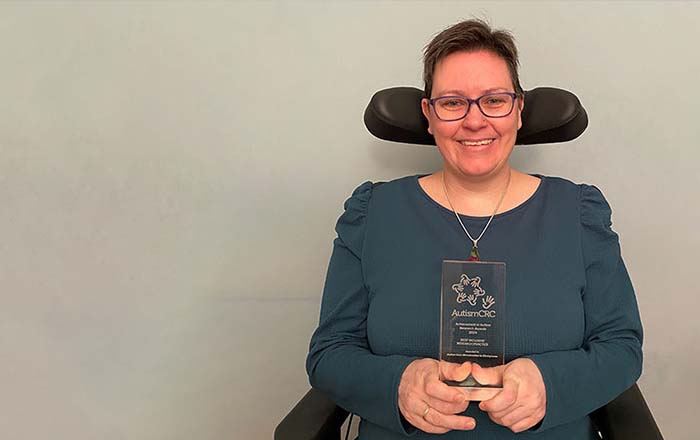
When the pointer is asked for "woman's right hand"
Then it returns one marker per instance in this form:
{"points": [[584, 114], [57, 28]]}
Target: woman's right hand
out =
{"points": [[428, 403]]}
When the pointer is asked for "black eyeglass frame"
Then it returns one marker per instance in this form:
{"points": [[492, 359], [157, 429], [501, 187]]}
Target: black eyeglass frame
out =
{"points": [[513, 96]]}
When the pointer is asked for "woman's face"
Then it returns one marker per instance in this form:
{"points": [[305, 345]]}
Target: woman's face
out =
{"points": [[472, 75]]}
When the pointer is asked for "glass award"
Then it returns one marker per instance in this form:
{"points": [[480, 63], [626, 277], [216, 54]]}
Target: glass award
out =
{"points": [[472, 315]]}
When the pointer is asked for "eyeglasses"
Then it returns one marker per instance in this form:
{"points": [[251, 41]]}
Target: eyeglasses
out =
{"points": [[492, 105]]}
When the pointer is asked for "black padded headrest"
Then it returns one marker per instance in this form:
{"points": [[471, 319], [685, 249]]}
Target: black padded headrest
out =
{"points": [[550, 115]]}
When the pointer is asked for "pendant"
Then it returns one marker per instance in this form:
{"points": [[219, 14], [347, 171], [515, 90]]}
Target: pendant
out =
{"points": [[474, 254]]}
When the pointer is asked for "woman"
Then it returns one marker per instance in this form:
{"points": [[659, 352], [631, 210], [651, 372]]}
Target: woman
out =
{"points": [[572, 326]]}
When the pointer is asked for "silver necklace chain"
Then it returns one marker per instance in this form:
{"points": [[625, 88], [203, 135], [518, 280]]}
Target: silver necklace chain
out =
{"points": [[475, 241]]}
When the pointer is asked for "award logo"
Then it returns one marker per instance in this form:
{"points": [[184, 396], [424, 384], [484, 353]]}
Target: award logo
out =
{"points": [[473, 286]]}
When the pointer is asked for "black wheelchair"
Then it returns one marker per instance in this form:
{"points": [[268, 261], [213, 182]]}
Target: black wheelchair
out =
{"points": [[550, 115]]}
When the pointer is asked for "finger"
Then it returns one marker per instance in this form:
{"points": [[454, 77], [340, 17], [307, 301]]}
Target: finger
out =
{"points": [[511, 416], [447, 407], [526, 423], [449, 421], [425, 426], [439, 390], [504, 399], [488, 376], [455, 372], [415, 404], [414, 410]]}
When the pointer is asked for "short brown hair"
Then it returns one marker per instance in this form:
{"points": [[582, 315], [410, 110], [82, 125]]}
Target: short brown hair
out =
{"points": [[467, 36]]}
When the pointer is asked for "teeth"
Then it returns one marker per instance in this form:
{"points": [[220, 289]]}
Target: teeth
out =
{"points": [[473, 144]]}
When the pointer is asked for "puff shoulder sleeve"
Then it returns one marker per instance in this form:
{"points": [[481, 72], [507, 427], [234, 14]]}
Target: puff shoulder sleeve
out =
{"points": [[610, 358], [340, 361]]}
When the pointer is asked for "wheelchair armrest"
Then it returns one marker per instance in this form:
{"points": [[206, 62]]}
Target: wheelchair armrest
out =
{"points": [[627, 417], [315, 417]]}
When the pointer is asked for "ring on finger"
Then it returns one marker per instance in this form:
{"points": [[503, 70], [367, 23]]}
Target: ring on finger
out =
{"points": [[425, 413]]}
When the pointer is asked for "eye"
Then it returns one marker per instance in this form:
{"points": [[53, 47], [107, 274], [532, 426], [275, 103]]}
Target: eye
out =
{"points": [[451, 103], [493, 101]]}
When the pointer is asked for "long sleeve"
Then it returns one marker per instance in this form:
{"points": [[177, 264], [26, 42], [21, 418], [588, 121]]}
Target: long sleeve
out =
{"points": [[340, 361], [610, 358]]}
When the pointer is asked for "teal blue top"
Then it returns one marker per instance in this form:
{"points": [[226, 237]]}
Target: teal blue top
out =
{"points": [[570, 304]]}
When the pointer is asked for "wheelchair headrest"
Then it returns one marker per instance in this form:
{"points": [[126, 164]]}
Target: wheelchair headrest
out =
{"points": [[550, 115]]}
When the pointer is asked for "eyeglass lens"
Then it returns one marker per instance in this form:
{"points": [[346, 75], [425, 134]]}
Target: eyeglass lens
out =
{"points": [[494, 105]]}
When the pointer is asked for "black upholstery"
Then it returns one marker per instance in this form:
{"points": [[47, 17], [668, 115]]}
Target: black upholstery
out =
{"points": [[627, 417], [549, 115], [316, 417]]}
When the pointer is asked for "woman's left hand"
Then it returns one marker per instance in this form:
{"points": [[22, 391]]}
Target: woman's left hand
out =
{"points": [[522, 402]]}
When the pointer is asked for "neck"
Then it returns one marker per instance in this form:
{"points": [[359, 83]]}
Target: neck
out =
{"points": [[476, 195]]}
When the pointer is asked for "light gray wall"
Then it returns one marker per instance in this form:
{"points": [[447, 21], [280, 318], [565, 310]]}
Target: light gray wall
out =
{"points": [[171, 172]]}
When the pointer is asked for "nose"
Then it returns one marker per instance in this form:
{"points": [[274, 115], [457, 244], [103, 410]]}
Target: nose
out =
{"points": [[474, 119]]}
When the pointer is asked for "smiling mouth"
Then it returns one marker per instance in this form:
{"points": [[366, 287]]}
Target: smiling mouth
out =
{"points": [[476, 143]]}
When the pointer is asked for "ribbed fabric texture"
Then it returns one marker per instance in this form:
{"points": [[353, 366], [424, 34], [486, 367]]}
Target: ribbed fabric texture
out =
{"points": [[570, 305]]}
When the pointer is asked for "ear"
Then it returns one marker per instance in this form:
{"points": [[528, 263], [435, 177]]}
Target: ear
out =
{"points": [[425, 106], [521, 105]]}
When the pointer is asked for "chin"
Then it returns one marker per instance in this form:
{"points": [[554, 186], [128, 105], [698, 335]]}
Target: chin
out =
{"points": [[474, 165], [478, 168]]}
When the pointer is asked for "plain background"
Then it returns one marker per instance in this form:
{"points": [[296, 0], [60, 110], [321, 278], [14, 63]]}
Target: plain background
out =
{"points": [[171, 173]]}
